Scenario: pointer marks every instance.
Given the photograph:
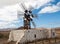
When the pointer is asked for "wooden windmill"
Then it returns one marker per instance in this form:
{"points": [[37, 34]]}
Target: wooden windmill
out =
{"points": [[28, 17]]}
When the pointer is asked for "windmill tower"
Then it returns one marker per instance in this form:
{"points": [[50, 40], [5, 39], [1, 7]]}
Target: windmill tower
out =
{"points": [[27, 20], [28, 17]]}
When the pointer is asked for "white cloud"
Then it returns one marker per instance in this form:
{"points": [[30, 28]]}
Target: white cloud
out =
{"points": [[36, 3], [58, 4], [6, 16], [51, 9], [9, 13], [3, 24], [11, 26], [8, 2]]}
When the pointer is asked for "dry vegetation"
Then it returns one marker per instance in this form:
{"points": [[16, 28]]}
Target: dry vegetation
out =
{"points": [[4, 35]]}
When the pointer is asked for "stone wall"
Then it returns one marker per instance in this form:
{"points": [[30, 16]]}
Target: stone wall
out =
{"points": [[29, 35]]}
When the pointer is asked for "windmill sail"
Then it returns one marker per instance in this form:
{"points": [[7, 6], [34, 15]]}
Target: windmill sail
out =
{"points": [[34, 24], [28, 16], [23, 6]]}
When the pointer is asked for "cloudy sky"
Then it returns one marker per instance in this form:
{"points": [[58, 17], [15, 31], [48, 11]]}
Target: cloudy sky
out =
{"points": [[48, 12]]}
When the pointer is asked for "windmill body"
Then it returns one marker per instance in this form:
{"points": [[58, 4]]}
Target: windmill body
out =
{"points": [[27, 19]]}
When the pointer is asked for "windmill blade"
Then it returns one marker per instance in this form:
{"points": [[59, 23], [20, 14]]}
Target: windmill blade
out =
{"points": [[30, 8], [34, 24], [35, 16], [23, 6], [20, 13]]}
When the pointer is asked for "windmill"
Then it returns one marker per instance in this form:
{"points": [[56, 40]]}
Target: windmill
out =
{"points": [[28, 17]]}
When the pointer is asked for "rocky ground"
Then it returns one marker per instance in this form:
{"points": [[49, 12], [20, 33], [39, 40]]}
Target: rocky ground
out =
{"points": [[4, 41]]}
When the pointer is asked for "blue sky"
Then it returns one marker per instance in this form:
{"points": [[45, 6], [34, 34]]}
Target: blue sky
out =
{"points": [[49, 20], [48, 13]]}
